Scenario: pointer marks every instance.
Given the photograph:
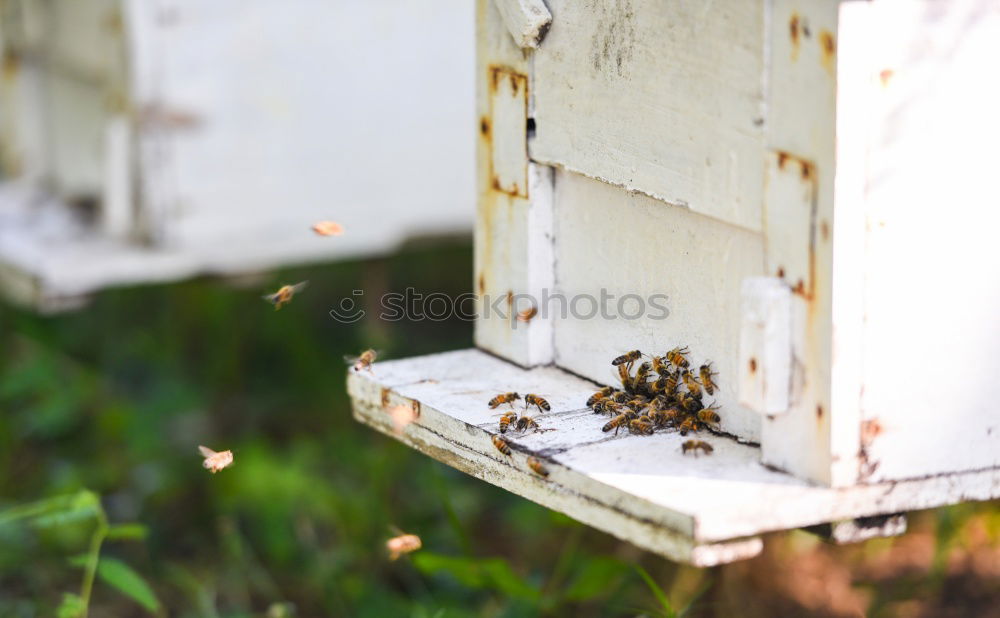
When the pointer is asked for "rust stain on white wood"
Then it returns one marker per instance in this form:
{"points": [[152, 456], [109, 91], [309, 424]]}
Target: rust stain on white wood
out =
{"points": [[662, 98], [642, 489], [765, 361]]}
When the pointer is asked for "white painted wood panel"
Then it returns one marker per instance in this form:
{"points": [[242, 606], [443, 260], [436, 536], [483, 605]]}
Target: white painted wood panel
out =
{"points": [[931, 398], [664, 98], [626, 243], [704, 510]]}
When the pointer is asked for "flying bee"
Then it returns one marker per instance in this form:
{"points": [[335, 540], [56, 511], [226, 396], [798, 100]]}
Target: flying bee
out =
{"points": [[508, 398], [328, 228], [526, 422], [695, 445], [402, 544], [506, 420], [620, 397], [535, 400], [706, 378], [363, 360], [501, 445], [627, 358], [691, 383], [215, 461], [642, 426], [284, 294], [601, 394], [640, 376], [616, 423], [689, 424], [676, 357], [537, 467]]}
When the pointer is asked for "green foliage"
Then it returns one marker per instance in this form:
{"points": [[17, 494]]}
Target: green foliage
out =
{"points": [[478, 573], [124, 579]]}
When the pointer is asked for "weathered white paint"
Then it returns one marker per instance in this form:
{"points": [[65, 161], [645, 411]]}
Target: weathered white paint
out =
{"points": [[513, 236], [615, 243], [800, 134], [765, 361], [862, 529], [931, 331], [641, 489], [527, 20], [658, 97]]}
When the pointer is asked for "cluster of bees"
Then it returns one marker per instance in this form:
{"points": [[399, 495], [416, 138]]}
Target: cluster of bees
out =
{"points": [[521, 422], [661, 393]]}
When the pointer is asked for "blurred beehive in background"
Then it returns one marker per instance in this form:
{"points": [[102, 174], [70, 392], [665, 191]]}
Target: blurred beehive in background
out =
{"points": [[151, 141]]}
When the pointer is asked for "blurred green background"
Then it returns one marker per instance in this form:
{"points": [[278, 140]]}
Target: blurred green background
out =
{"points": [[116, 397]]}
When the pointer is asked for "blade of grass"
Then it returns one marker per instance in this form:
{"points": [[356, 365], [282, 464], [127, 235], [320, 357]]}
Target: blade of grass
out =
{"points": [[658, 592]]}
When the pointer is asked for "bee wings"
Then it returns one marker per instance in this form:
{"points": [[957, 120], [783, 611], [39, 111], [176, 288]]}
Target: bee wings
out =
{"points": [[205, 451]]}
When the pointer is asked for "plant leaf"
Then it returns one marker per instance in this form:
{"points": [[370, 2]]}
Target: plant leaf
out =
{"points": [[657, 591], [38, 508], [480, 573], [127, 532], [123, 578], [72, 606]]}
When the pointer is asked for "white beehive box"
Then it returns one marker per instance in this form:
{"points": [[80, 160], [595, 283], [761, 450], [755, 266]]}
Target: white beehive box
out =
{"points": [[808, 182], [209, 136]]}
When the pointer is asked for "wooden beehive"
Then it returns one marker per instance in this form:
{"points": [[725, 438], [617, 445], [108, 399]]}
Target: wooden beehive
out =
{"points": [[151, 141], [808, 184]]}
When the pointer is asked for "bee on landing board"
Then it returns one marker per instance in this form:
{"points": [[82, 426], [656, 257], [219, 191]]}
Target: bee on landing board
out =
{"points": [[284, 294], [706, 378], [695, 445], [535, 400], [362, 361], [508, 398], [676, 357], [708, 416], [616, 423], [526, 422], [536, 466], [599, 395], [690, 424], [627, 358], [691, 383], [642, 426], [639, 381], [501, 445], [214, 460], [506, 420]]}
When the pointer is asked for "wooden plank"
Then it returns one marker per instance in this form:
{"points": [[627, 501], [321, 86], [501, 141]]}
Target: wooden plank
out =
{"points": [[663, 98], [526, 20], [513, 236], [765, 345], [705, 509], [609, 242]]}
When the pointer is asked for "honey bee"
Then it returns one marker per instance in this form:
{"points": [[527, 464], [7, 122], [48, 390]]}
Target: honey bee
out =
{"points": [[402, 544], [506, 420], [535, 400], [637, 403], [627, 358], [706, 378], [689, 401], [666, 384], [526, 422], [640, 376], [362, 361], [616, 423], [537, 467], [328, 228], [620, 397], [708, 417], [624, 376], [660, 365], [508, 398], [601, 394], [695, 445], [689, 424], [642, 426], [215, 461], [676, 357], [691, 383], [284, 294], [603, 406], [501, 445]]}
